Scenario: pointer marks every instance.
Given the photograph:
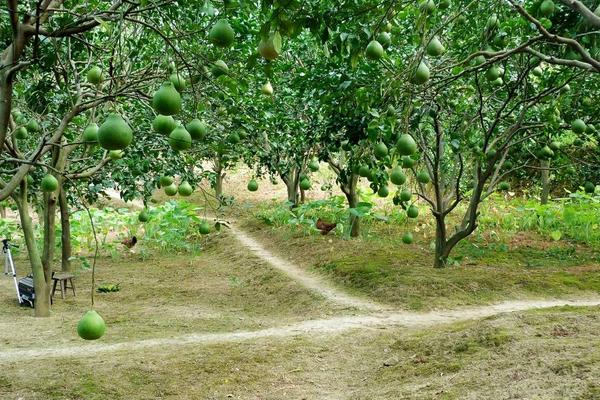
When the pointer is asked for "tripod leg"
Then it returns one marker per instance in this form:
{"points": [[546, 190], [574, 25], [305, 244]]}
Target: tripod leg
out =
{"points": [[9, 260]]}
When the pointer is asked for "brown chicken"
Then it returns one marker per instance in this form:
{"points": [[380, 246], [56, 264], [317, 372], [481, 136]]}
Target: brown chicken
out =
{"points": [[129, 243], [325, 227]]}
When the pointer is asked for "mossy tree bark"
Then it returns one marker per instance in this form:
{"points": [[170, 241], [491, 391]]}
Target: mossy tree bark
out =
{"points": [[292, 182], [65, 235], [349, 189]]}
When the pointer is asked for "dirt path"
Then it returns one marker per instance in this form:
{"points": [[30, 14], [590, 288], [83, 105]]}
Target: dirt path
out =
{"points": [[310, 327], [309, 281]]}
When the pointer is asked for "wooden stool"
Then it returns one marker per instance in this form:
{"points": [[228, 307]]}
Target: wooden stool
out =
{"points": [[64, 278]]}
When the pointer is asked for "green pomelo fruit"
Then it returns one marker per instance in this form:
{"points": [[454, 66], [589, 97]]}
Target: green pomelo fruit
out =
{"points": [[412, 211], [253, 185], [197, 129], [421, 74], [32, 126], [91, 326], [180, 139], [114, 133], [383, 191], [185, 189], [219, 68], [407, 238], [380, 150], [423, 177], [221, 34], [178, 81], [503, 186], [143, 216], [492, 73], [270, 47], [20, 133], [407, 162], [171, 190], [167, 100], [165, 181], [364, 171], [547, 8], [49, 183], [406, 145], [233, 138], [385, 39], [578, 126], [305, 184], [589, 187], [115, 154], [267, 89], [313, 165], [163, 124], [90, 133], [94, 75], [397, 177], [435, 48], [405, 195], [204, 228], [374, 50]]}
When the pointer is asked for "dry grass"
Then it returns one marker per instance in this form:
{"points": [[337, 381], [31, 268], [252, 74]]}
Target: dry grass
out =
{"points": [[551, 354]]}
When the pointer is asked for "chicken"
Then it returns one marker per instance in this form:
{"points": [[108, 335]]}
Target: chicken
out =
{"points": [[325, 227], [129, 243]]}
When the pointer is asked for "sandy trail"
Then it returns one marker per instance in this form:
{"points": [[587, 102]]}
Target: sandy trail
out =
{"points": [[311, 327]]}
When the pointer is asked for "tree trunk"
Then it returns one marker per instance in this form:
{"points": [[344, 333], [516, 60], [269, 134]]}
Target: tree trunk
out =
{"points": [[2, 212], [302, 196], [50, 205], [41, 282], [291, 183], [442, 250], [218, 170], [65, 238], [545, 164], [349, 189]]}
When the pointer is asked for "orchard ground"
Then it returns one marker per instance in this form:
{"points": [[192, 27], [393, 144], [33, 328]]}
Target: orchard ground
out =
{"points": [[550, 353]]}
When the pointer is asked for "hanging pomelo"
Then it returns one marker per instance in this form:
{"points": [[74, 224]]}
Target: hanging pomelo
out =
{"points": [[171, 190], [29, 180], [143, 216], [423, 177], [167, 100], [406, 145], [114, 133], [421, 73], [537, 71], [115, 154], [380, 150], [383, 191], [385, 39], [547, 8], [165, 181], [94, 75], [197, 129], [163, 124], [221, 34], [407, 238], [546, 152], [32, 126], [435, 48], [185, 189], [313, 165], [427, 6], [412, 211], [49, 183], [364, 171], [270, 48], [408, 162], [178, 81], [405, 195], [180, 139], [578, 126], [444, 4], [204, 228], [91, 326], [90, 133], [305, 184], [20, 133], [397, 177], [219, 68], [267, 89], [493, 73], [374, 50], [233, 138], [253, 185]]}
